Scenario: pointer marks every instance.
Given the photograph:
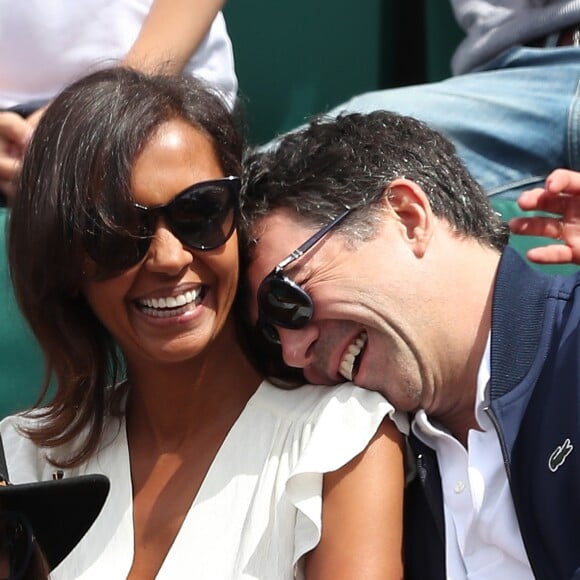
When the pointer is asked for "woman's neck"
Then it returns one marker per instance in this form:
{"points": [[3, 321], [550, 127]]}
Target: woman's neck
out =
{"points": [[169, 400]]}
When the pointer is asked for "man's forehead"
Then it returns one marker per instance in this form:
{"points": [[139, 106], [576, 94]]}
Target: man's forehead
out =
{"points": [[276, 235], [274, 230], [278, 218]]}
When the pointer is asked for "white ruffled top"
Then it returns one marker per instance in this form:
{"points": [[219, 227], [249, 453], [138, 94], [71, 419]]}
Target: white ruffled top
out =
{"points": [[258, 510]]}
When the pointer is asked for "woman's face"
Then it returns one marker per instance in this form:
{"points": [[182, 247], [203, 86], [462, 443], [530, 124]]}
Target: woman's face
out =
{"points": [[171, 305]]}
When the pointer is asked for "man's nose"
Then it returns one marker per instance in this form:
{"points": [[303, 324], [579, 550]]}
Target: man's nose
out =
{"points": [[297, 345]]}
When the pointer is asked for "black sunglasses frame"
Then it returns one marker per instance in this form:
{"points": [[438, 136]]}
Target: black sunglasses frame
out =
{"points": [[301, 310], [129, 250]]}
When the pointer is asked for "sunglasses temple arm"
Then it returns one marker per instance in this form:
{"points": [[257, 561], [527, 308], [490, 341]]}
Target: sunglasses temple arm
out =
{"points": [[311, 241], [289, 259]]}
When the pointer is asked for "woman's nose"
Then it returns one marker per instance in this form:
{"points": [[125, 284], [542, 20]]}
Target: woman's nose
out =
{"points": [[167, 254]]}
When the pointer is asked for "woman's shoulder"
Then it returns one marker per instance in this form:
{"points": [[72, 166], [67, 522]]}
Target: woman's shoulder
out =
{"points": [[25, 460], [28, 461], [307, 395], [311, 403], [319, 429], [12, 427]]}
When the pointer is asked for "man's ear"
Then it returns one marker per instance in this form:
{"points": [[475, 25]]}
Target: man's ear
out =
{"points": [[411, 206]]}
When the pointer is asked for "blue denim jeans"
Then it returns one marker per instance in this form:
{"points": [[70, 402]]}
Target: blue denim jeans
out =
{"points": [[512, 121]]}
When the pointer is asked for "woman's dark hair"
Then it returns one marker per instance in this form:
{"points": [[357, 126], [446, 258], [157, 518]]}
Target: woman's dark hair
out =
{"points": [[77, 169]]}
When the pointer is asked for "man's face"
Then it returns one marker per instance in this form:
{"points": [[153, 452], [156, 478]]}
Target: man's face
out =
{"points": [[368, 324]]}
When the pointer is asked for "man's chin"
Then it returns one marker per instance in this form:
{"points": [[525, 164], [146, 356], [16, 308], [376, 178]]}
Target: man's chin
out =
{"points": [[398, 400], [316, 378]]}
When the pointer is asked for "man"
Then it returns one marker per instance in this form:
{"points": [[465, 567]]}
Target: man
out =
{"points": [[375, 257]]}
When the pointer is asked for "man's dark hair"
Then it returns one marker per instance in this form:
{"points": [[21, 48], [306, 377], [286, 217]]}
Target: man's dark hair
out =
{"points": [[348, 161]]}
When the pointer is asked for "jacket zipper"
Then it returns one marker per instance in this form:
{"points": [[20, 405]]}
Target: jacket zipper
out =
{"points": [[489, 412]]}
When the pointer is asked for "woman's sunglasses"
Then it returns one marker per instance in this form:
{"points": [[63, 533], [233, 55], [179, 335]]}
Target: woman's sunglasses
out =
{"points": [[202, 217], [282, 302]]}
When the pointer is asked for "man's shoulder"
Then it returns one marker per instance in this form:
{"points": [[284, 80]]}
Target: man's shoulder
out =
{"points": [[522, 291]]}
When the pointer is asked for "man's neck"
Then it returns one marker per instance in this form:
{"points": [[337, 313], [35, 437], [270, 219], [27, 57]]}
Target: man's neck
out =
{"points": [[470, 296]]}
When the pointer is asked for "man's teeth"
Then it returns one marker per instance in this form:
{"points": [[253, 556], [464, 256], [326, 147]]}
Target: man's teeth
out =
{"points": [[347, 364], [163, 307]]}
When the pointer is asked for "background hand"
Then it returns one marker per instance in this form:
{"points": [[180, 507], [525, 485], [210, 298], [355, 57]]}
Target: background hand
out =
{"points": [[560, 196], [15, 132]]}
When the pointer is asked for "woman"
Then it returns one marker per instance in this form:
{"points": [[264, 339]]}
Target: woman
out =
{"points": [[124, 258]]}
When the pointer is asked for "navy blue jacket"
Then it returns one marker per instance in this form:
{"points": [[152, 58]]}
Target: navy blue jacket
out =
{"points": [[535, 407]]}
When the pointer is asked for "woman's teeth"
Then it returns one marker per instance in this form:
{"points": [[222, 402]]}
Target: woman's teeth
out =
{"points": [[347, 364], [171, 305]]}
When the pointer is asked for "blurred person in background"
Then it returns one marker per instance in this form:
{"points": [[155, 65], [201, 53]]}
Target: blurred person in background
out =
{"points": [[512, 107], [46, 45]]}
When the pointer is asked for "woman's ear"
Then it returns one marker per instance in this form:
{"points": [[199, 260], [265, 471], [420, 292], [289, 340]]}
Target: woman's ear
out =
{"points": [[412, 208]]}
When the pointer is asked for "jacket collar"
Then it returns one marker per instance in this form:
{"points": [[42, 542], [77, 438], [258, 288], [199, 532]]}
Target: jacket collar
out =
{"points": [[519, 302]]}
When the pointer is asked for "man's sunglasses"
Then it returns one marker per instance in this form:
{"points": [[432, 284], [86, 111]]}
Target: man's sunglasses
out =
{"points": [[202, 217], [282, 302]]}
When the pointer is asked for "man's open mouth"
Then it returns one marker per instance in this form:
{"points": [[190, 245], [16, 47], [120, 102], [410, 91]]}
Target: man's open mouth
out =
{"points": [[351, 361]]}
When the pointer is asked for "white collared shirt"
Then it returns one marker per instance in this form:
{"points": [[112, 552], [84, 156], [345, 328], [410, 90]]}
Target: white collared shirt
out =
{"points": [[482, 534]]}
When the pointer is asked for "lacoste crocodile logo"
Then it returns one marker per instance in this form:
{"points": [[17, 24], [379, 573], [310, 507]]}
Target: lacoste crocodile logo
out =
{"points": [[559, 455]]}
